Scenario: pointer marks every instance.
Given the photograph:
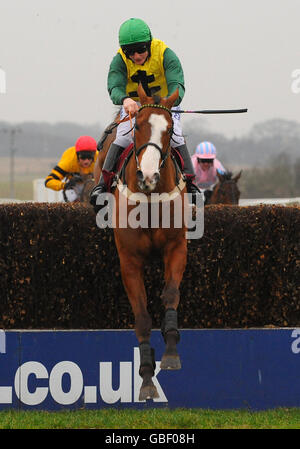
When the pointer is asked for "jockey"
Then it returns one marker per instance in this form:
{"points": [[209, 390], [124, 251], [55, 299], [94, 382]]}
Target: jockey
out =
{"points": [[75, 161], [206, 167], [142, 59]]}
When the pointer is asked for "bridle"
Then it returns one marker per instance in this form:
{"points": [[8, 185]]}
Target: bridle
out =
{"points": [[163, 154], [180, 181]]}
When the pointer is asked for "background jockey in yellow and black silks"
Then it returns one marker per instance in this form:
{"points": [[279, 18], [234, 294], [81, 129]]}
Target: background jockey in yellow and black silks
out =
{"points": [[75, 161], [142, 59]]}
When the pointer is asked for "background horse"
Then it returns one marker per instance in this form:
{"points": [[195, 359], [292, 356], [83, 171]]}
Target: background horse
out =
{"points": [[226, 190], [84, 184], [88, 185], [151, 169]]}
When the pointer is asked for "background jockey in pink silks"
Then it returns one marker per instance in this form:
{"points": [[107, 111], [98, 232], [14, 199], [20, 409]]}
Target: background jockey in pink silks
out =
{"points": [[206, 166]]}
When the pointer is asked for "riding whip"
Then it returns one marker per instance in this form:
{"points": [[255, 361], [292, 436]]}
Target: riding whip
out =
{"points": [[212, 111]]}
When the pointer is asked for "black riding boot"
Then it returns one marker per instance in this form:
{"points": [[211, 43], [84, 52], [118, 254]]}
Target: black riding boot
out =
{"points": [[109, 165], [188, 171]]}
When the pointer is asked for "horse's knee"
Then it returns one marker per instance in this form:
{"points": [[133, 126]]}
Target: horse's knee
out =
{"points": [[131, 267]]}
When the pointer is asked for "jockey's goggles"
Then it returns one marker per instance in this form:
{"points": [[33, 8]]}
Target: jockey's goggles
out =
{"points": [[136, 48], [205, 161], [86, 155]]}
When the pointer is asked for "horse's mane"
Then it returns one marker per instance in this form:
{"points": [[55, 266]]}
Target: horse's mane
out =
{"points": [[156, 99]]}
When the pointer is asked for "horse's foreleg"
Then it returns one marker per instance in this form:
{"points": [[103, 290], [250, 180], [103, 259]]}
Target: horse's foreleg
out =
{"points": [[133, 280], [175, 262]]}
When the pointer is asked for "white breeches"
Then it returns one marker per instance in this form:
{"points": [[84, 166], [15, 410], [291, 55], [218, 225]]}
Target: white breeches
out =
{"points": [[124, 136]]}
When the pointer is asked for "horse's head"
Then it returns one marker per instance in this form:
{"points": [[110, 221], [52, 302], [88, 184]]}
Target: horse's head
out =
{"points": [[226, 190], [153, 131]]}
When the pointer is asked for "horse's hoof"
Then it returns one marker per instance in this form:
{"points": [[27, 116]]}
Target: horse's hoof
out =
{"points": [[148, 392], [170, 362]]}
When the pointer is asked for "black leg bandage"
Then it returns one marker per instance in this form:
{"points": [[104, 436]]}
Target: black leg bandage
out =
{"points": [[147, 356], [170, 323]]}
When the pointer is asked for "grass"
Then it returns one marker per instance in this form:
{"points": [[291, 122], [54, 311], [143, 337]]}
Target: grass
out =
{"points": [[23, 187], [25, 171], [281, 418]]}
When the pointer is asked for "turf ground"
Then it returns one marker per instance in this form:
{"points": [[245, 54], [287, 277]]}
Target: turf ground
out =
{"points": [[281, 418]]}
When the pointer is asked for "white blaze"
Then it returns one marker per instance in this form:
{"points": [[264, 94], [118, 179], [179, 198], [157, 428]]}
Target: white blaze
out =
{"points": [[151, 156]]}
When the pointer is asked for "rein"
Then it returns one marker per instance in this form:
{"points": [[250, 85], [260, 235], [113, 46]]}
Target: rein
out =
{"points": [[136, 196], [110, 129]]}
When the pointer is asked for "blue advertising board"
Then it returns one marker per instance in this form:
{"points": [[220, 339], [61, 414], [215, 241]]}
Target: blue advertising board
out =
{"points": [[221, 369]]}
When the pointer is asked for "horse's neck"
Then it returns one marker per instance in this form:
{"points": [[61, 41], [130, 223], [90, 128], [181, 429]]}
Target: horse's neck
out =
{"points": [[215, 193]]}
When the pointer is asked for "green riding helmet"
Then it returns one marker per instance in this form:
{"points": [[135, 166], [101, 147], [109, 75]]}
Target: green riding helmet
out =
{"points": [[133, 31]]}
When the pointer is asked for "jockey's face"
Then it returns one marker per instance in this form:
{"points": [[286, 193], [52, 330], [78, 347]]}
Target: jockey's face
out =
{"points": [[205, 165], [85, 162], [139, 58]]}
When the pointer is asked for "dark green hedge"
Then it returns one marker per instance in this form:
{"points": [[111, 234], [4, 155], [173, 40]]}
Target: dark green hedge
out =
{"points": [[58, 270]]}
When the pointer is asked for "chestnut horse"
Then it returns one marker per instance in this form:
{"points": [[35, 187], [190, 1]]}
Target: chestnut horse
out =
{"points": [[151, 169], [226, 190]]}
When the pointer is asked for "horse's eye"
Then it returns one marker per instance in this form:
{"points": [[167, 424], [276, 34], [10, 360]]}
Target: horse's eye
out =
{"points": [[136, 126]]}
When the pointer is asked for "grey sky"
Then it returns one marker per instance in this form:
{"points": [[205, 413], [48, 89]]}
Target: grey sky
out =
{"points": [[235, 53]]}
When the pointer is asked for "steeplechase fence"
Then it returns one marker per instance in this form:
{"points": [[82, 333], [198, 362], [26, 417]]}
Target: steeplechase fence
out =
{"points": [[67, 338]]}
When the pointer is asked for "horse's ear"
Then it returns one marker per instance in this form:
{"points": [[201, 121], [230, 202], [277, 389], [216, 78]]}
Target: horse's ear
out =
{"points": [[171, 99], [237, 177], [142, 94], [220, 176]]}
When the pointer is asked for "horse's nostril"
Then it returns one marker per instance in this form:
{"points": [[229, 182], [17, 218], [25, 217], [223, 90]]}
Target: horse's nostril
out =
{"points": [[156, 177], [139, 175]]}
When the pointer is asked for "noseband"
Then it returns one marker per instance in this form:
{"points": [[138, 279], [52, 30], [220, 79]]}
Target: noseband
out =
{"points": [[163, 155]]}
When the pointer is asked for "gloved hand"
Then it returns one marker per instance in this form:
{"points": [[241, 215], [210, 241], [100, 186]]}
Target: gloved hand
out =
{"points": [[130, 106]]}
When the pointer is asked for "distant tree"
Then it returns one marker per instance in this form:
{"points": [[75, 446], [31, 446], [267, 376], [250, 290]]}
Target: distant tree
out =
{"points": [[39, 139], [274, 181], [297, 176], [264, 142], [261, 145], [277, 128]]}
